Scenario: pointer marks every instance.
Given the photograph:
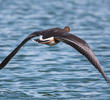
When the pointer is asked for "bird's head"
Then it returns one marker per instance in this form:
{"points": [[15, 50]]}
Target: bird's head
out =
{"points": [[67, 28]]}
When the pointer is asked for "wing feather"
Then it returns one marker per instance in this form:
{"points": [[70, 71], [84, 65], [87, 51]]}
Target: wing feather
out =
{"points": [[81, 46]]}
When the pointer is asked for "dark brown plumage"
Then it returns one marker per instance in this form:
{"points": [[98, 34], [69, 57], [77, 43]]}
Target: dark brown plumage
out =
{"points": [[54, 36]]}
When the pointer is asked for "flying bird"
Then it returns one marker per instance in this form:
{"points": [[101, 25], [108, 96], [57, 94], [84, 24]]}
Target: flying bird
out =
{"points": [[55, 35]]}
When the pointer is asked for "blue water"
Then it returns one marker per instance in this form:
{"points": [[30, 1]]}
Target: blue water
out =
{"points": [[40, 72]]}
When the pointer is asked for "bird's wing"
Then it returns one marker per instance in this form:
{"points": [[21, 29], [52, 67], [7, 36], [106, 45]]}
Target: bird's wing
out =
{"points": [[81, 46], [12, 54]]}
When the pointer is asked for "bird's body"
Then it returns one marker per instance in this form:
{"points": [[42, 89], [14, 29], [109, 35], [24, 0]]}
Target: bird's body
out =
{"points": [[49, 41], [54, 36]]}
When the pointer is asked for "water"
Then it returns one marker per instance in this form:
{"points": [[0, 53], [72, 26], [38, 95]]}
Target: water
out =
{"points": [[40, 72]]}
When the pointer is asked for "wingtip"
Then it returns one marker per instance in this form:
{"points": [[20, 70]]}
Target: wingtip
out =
{"points": [[108, 81], [1, 66], [106, 78]]}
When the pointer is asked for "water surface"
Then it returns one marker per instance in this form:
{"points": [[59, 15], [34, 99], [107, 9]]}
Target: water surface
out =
{"points": [[40, 72]]}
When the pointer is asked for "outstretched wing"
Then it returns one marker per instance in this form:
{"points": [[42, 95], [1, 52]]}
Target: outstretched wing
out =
{"points": [[81, 46], [12, 54]]}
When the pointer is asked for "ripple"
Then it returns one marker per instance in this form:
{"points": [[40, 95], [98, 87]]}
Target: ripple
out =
{"points": [[59, 72]]}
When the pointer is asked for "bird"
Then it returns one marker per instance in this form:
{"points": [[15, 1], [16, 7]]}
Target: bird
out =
{"points": [[52, 37]]}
